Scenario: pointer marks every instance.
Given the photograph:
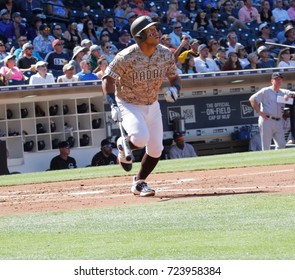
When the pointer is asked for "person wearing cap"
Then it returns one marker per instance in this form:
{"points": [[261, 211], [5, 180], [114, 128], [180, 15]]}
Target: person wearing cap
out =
{"points": [[265, 34], [57, 31], [166, 41], [181, 149], [105, 155], [15, 29], [10, 71], [248, 13], [139, 9], [5, 20], [265, 104], [232, 63], [77, 57], [193, 51], [204, 64], [27, 61], [264, 60], [85, 74], [69, 74], [290, 37], [253, 61], [242, 55], [41, 77], [63, 160], [124, 40], [57, 58], [220, 57], [279, 13], [43, 42]]}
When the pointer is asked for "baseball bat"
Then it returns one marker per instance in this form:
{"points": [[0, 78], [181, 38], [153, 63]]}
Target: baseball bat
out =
{"points": [[126, 146]]}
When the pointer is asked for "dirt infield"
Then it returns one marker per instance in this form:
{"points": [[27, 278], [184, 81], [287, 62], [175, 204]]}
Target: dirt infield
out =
{"points": [[102, 192]]}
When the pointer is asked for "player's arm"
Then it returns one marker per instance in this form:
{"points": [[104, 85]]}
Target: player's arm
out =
{"points": [[256, 107]]}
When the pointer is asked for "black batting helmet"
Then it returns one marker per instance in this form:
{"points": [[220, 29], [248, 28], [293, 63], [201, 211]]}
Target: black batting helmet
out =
{"points": [[139, 25]]}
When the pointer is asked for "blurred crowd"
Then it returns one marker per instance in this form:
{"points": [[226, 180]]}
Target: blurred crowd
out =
{"points": [[61, 41]]}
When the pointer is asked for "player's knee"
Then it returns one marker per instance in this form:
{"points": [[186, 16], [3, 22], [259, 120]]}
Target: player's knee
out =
{"points": [[139, 140], [155, 152]]}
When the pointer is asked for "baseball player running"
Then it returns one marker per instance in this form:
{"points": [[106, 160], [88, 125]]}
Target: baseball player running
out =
{"points": [[131, 84], [270, 112]]}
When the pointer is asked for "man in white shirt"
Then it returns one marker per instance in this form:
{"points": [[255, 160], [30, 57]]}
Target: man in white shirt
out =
{"points": [[204, 64], [42, 77]]}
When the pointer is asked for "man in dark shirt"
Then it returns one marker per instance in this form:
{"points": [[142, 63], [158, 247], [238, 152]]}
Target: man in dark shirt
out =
{"points": [[63, 160], [105, 156], [27, 60]]}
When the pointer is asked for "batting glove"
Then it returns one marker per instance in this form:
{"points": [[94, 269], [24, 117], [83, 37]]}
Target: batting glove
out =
{"points": [[116, 114], [171, 94]]}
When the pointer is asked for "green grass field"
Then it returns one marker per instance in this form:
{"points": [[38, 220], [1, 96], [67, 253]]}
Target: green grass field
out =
{"points": [[249, 226]]}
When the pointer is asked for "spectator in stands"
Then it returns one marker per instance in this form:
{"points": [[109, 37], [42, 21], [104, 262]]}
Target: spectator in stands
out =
{"points": [[284, 59], [27, 8], [10, 71], [56, 8], [89, 32], [5, 21], [78, 54], [102, 65], [20, 51], [209, 4], [166, 41], [230, 18], [232, 42], [111, 29], [74, 5], [213, 46], [122, 11], [265, 34], [290, 36], [43, 42], [173, 12], [86, 74], [279, 13], [194, 44], [232, 63], [69, 74], [184, 46], [10, 5], [130, 17], [253, 59], [63, 160], [202, 22], [291, 10], [57, 31], [3, 53], [42, 77], [176, 35], [105, 38], [248, 13], [155, 15], [27, 62], [105, 156], [106, 52], [124, 40], [217, 23], [71, 37], [203, 63], [86, 43], [220, 57], [140, 10], [191, 9], [266, 13], [188, 67], [242, 55], [264, 60], [15, 29], [94, 57], [33, 31], [57, 58], [181, 149]]}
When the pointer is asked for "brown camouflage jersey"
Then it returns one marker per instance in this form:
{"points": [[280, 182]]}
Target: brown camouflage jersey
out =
{"points": [[138, 77]]}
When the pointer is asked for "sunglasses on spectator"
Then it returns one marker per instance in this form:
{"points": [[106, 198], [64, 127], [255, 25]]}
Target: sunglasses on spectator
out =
{"points": [[59, 28], [59, 44], [234, 37], [46, 28], [29, 49], [107, 47], [177, 27]]}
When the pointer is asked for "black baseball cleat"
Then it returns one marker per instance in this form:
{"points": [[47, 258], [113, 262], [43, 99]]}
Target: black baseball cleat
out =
{"points": [[126, 164]]}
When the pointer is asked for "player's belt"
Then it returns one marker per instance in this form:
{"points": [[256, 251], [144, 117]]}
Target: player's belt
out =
{"points": [[273, 118]]}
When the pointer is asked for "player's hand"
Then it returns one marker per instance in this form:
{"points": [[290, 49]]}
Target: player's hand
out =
{"points": [[171, 94], [116, 114]]}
